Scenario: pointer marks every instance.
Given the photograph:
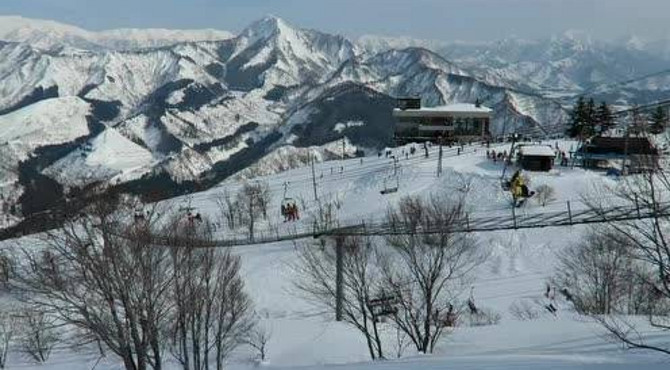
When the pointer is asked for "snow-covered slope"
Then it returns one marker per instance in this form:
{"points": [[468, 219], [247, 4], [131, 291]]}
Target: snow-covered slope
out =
{"points": [[107, 155], [518, 266], [49, 35], [48, 123], [202, 111], [52, 121]]}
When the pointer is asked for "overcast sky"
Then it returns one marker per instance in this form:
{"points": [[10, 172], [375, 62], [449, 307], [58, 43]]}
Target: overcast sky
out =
{"points": [[469, 20]]}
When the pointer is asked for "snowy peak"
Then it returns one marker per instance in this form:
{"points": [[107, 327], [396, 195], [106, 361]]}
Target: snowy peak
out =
{"points": [[266, 28], [271, 52]]}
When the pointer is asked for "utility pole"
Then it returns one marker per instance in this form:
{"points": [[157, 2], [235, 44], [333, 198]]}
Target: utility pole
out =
{"points": [[395, 166], [344, 144], [339, 276], [316, 197], [624, 171], [439, 162]]}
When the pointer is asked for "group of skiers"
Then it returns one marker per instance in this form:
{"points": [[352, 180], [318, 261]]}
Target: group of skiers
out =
{"points": [[290, 212], [498, 156]]}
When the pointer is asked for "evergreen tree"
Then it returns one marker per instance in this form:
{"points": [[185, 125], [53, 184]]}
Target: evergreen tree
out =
{"points": [[659, 120], [604, 119], [577, 118], [638, 124], [588, 128]]}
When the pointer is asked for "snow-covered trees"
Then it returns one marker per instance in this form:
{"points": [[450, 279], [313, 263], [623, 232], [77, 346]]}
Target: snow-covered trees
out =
{"points": [[586, 119], [659, 120]]}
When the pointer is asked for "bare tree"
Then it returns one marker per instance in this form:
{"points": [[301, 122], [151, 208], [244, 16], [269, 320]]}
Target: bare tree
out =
{"points": [[212, 311], [8, 330], [40, 335], [325, 216], [426, 265], [258, 338], [105, 274], [647, 244], [544, 194], [595, 273], [264, 199], [227, 207], [316, 277], [253, 200]]}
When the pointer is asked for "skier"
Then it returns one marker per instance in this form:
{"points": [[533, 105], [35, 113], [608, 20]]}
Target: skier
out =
{"points": [[289, 212], [550, 294]]}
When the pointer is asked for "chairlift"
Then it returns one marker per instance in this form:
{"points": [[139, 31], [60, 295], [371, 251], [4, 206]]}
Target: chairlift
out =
{"points": [[383, 305], [389, 187], [286, 203], [192, 213], [139, 214], [391, 182]]}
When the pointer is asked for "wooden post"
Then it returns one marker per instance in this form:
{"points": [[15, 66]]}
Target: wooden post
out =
{"points": [[569, 213], [339, 276]]}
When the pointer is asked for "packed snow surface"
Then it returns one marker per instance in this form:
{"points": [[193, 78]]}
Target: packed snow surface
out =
{"points": [[516, 270]]}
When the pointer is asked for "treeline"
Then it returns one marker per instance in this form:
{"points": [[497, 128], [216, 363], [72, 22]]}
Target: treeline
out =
{"points": [[588, 119]]}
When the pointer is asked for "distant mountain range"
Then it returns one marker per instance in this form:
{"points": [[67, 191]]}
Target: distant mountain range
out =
{"points": [[170, 112], [624, 72]]}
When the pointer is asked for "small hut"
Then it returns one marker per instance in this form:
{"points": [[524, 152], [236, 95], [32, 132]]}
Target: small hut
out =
{"points": [[536, 157]]}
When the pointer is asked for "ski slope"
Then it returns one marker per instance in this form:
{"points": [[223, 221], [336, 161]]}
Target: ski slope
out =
{"points": [[516, 269]]}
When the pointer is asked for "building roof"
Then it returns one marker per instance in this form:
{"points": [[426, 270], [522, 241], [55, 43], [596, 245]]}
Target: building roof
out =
{"points": [[537, 151], [455, 108], [619, 145]]}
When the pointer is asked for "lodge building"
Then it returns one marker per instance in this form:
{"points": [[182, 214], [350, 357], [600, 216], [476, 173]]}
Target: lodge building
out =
{"points": [[449, 123]]}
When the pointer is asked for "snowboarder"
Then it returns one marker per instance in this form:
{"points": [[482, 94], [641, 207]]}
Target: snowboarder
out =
{"points": [[519, 189]]}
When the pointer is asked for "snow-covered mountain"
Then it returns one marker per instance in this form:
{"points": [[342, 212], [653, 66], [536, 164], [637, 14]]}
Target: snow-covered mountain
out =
{"points": [[186, 115], [49, 35], [564, 65]]}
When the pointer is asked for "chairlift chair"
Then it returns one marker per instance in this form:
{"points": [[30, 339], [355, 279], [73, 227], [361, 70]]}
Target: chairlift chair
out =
{"points": [[391, 184], [285, 204], [389, 189], [139, 214]]}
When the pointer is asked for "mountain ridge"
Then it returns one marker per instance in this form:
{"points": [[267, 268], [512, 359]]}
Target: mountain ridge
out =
{"points": [[195, 112]]}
